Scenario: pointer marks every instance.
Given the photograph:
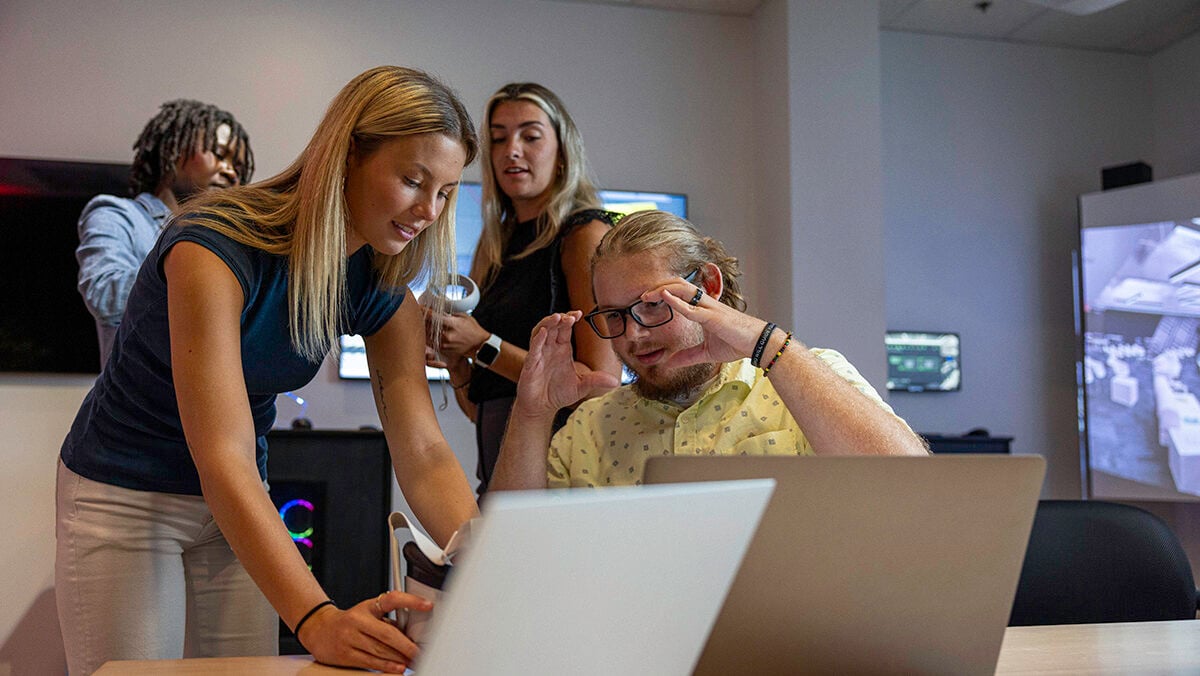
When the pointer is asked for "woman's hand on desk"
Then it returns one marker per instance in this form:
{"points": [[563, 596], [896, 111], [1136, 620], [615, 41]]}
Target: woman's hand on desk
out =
{"points": [[363, 636]]}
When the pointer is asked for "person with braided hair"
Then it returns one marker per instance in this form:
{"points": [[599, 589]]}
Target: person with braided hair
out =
{"points": [[187, 148], [711, 379]]}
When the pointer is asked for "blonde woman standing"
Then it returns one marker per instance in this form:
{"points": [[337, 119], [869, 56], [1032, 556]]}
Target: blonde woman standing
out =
{"points": [[541, 223], [168, 543]]}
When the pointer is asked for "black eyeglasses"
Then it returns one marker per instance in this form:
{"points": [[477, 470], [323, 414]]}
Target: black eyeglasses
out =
{"points": [[609, 324]]}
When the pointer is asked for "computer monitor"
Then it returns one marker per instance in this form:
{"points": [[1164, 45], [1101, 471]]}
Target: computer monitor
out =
{"points": [[923, 361], [352, 361], [629, 201]]}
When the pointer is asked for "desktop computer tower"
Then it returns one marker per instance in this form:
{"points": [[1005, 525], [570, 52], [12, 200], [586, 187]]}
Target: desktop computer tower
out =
{"points": [[333, 490]]}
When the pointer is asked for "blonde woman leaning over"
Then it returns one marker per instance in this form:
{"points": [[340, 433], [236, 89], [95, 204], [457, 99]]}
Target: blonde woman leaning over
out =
{"points": [[168, 544], [541, 223]]}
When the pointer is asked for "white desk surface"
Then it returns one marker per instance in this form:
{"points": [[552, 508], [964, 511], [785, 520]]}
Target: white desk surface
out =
{"points": [[1098, 649], [1124, 649]]}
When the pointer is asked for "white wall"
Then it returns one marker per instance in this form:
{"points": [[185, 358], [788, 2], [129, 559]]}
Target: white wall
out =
{"points": [[819, 208], [772, 220], [836, 192], [986, 148], [34, 415], [662, 99], [1176, 104]]}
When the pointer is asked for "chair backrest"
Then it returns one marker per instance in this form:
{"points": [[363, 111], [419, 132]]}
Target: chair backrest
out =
{"points": [[1092, 561]]}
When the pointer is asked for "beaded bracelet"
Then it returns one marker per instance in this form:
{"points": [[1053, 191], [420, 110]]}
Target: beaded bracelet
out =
{"points": [[786, 341], [756, 358]]}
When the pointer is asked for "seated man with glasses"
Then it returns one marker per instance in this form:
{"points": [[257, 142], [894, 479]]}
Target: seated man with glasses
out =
{"points": [[711, 380]]}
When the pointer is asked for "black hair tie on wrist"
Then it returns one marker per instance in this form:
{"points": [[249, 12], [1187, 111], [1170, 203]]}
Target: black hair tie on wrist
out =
{"points": [[322, 604]]}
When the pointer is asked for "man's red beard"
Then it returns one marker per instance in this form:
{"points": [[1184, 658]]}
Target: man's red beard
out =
{"points": [[678, 384]]}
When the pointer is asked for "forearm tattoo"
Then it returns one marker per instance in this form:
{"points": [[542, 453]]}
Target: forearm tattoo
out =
{"points": [[379, 397]]}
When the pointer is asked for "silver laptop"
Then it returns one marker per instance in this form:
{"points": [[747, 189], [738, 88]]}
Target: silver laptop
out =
{"points": [[876, 565], [613, 581]]}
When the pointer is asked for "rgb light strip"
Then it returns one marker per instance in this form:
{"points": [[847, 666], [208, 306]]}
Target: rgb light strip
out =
{"points": [[301, 536]]}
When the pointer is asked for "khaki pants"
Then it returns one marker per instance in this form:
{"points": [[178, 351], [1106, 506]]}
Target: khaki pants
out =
{"points": [[142, 575]]}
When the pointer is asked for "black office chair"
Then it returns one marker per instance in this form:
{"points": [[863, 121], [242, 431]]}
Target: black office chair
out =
{"points": [[1093, 561]]}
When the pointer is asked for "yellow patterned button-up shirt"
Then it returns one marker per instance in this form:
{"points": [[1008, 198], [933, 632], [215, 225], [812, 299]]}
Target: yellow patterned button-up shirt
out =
{"points": [[607, 440]]}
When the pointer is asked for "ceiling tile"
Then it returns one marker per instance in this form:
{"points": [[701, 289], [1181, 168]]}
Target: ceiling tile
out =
{"points": [[892, 10], [730, 7], [1111, 29], [1174, 30], [963, 17], [1134, 26]]}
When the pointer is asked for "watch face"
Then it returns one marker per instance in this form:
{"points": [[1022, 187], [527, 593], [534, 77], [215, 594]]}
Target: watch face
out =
{"points": [[486, 354]]}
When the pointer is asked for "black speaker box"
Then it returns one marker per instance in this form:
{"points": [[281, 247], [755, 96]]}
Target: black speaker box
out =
{"points": [[1125, 174]]}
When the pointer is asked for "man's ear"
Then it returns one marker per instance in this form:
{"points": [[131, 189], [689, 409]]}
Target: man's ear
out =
{"points": [[714, 283]]}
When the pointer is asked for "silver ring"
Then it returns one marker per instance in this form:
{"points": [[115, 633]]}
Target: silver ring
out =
{"points": [[378, 606], [696, 298]]}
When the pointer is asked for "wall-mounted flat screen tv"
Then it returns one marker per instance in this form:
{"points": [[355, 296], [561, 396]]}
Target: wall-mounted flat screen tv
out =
{"points": [[629, 201], [352, 363], [923, 361], [44, 325], [1138, 320]]}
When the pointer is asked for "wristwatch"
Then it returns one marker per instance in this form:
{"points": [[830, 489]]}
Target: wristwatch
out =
{"points": [[486, 355]]}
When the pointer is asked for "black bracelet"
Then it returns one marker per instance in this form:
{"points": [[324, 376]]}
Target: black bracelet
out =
{"points": [[756, 358], [322, 604]]}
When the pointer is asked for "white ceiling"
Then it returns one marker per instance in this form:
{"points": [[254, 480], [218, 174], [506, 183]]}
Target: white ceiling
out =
{"points": [[1130, 26]]}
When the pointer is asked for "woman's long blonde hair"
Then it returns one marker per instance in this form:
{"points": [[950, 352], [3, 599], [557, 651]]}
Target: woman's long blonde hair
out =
{"points": [[301, 213], [573, 186]]}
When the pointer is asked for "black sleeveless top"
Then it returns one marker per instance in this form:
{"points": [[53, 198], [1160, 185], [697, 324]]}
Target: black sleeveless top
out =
{"points": [[523, 292]]}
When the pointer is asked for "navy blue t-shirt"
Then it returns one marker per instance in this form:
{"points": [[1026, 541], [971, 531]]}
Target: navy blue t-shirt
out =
{"points": [[128, 433]]}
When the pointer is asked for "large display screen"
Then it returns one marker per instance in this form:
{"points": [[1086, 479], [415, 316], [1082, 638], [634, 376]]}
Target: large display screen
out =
{"points": [[44, 324], [1139, 326]]}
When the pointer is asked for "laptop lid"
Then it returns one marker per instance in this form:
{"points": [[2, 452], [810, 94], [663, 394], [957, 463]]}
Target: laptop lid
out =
{"points": [[612, 581], [872, 564]]}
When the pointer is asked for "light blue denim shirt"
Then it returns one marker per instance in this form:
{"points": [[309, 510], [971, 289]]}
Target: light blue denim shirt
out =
{"points": [[115, 234]]}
